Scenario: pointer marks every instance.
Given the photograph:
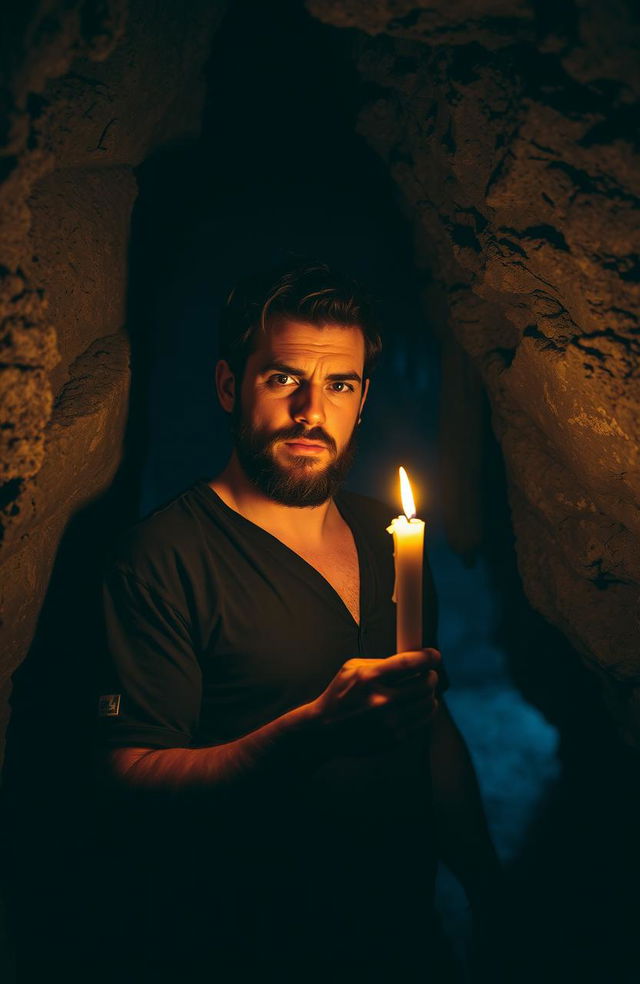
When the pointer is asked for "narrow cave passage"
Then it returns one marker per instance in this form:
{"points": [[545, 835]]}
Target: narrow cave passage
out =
{"points": [[503, 142], [280, 171]]}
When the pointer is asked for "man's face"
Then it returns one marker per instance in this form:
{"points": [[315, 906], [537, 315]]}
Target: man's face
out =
{"points": [[301, 396]]}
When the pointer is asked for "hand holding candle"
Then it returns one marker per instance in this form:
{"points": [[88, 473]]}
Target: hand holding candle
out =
{"points": [[408, 546]]}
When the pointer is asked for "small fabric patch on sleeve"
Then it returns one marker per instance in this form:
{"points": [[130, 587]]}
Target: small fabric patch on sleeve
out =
{"points": [[109, 705]]}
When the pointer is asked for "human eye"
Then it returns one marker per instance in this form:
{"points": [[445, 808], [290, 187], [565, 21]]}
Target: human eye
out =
{"points": [[345, 386], [279, 379]]}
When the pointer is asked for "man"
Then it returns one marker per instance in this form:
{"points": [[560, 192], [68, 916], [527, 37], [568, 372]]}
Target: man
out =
{"points": [[297, 772]]}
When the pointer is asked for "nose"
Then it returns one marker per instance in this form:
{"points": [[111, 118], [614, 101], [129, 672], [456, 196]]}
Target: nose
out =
{"points": [[308, 405]]}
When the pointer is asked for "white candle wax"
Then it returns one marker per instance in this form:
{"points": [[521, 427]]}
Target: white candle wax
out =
{"points": [[408, 544], [408, 548]]}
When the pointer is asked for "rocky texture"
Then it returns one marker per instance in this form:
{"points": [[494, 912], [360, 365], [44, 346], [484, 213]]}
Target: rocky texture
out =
{"points": [[510, 130], [84, 449], [89, 90], [79, 232]]}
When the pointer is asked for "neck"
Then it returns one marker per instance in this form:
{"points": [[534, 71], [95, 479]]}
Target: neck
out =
{"points": [[235, 489]]}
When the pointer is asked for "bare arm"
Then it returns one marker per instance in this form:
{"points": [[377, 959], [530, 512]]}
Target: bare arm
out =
{"points": [[360, 710], [284, 744], [464, 840]]}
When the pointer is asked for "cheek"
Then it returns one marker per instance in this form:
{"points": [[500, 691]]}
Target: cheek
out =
{"points": [[263, 409], [344, 422]]}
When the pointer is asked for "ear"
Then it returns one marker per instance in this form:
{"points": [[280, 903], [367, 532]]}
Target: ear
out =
{"points": [[365, 390], [225, 385]]}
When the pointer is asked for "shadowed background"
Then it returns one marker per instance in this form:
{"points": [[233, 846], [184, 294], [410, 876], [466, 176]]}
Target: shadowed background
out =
{"points": [[479, 174]]}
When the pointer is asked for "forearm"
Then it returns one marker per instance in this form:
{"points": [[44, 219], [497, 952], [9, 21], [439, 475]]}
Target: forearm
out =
{"points": [[464, 841], [351, 714], [285, 747]]}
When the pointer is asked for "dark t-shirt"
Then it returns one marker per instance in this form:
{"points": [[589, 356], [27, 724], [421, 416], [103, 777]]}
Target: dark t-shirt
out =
{"points": [[215, 627]]}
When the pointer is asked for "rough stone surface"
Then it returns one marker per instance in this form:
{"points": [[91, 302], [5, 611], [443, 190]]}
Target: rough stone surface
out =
{"points": [[90, 90], [512, 138], [90, 416], [85, 86], [79, 230]]}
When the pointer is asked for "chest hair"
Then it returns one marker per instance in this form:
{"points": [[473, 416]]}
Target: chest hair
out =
{"points": [[338, 564]]}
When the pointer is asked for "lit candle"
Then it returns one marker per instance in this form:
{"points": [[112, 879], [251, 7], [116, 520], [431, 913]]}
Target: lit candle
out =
{"points": [[408, 545]]}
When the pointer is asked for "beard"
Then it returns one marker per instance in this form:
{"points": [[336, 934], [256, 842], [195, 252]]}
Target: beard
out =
{"points": [[300, 482]]}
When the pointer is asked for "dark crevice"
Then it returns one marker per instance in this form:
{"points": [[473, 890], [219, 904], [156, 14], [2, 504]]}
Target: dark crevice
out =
{"points": [[629, 344], [506, 354], [10, 491], [447, 138], [514, 247], [623, 124], [499, 169], [546, 233], [532, 331], [465, 237], [603, 579], [590, 184], [626, 267]]}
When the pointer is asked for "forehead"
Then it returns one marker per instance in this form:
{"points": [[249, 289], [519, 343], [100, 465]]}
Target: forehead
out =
{"points": [[286, 339]]}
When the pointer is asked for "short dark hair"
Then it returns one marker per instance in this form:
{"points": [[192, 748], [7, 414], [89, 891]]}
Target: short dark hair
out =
{"points": [[310, 292]]}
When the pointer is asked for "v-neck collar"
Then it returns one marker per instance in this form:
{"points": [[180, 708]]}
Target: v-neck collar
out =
{"points": [[273, 540]]}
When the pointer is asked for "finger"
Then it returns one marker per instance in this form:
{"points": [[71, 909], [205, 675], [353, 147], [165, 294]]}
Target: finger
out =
{"points": [[417, 715], [408, 687], [380, 725], [407, 690], [409, 662], [383, 712], [434, 654], [396, 716]]}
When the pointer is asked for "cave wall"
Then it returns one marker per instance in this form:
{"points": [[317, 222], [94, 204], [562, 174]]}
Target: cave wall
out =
{"points": [[90, 89], [510, 129]]}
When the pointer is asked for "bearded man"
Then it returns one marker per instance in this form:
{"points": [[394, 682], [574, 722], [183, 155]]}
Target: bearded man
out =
{"points": [[298, 776]]}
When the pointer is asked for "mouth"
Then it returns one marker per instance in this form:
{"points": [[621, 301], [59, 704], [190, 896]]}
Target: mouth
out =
{"points": [[305, 447]]}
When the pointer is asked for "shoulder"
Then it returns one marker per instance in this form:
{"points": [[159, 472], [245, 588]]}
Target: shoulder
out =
{"points": [[160, 543]]}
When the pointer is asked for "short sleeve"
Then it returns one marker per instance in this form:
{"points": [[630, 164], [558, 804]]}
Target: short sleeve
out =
{"points": [[152, 684]]}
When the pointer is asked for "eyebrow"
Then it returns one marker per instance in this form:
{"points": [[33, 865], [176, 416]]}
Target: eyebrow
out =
{"points": [[292, 371]]}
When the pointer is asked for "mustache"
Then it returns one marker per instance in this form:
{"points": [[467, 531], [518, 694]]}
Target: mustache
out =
{"points": [[298, 430]]}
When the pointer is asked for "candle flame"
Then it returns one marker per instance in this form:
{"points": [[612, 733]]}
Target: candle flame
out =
{"points": [[408, 504]]}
